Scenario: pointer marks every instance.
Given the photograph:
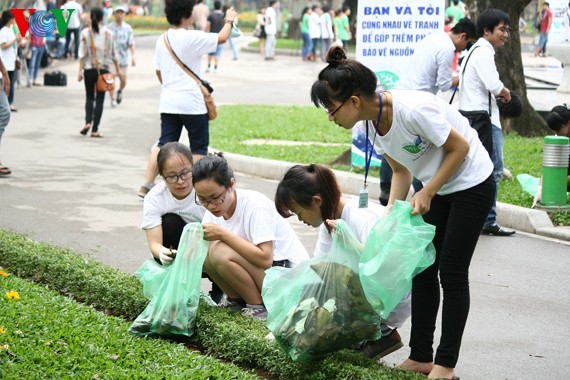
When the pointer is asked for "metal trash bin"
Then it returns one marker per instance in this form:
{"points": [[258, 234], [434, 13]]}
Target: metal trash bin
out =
{"points": [[555, 170]]}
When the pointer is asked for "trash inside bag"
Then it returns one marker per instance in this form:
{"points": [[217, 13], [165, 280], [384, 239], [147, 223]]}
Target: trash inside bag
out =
{"points": [[174, 306], [151, 274], [319, 306], [398, 247]]}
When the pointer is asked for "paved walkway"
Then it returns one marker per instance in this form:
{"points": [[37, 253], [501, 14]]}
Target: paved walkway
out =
{"points": [[78, 192]]}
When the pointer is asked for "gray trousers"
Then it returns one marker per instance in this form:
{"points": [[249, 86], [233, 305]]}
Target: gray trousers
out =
{"points": [[4, 112]]}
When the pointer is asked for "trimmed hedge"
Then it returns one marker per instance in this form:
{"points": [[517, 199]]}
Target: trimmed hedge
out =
{"points": [[221, 333]]}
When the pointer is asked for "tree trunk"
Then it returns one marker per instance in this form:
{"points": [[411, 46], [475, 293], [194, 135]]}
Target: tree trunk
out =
{"points": [[510, 66]]}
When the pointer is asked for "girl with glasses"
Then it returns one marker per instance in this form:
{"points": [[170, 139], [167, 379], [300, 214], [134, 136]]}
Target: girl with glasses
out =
{"points": [[170, 205], [422, 136], [312, 193], [246, 235]]}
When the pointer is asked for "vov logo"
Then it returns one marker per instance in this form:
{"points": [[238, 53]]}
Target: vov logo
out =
{"points": [[41, 23]]}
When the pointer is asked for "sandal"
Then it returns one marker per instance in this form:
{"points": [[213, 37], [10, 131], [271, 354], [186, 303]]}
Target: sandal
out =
{"points": [[5, 171], [85, 129], [96, 134]]}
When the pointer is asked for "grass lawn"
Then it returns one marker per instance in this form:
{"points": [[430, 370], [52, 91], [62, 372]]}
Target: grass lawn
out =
{"points": [[238, 123]]}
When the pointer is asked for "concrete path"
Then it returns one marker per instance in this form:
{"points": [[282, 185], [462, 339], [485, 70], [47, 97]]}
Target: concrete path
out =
{"points": [[79, 192]]}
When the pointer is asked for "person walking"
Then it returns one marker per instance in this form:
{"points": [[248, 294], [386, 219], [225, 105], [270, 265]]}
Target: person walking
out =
{"points": [[4, 111], [327, 33], [181, 101], [315, 30], [421, 135], [73, 12], [271, 29], [306, 49], [37, 46], [480, 85], [215, 25], [246, 235], [342, 26], [124, 42], [200, 14], [311, 192], [260, 30], [8, 50], [545, 24], [96, 56]]}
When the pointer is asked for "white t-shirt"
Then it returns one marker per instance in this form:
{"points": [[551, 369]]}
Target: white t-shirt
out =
{"points": [[421, 124], [430, 68], [270, 21], [8, 55], [315, 25], [481, 77], [326, 26], [179, 92], [75, 21], [361, 221], [160, 201], [256, 220]]}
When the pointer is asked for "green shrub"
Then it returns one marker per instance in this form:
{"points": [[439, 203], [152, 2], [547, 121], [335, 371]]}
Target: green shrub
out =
{"points": [[147, 22], [220, 332]]}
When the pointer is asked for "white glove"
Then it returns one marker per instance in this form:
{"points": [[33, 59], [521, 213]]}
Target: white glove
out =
{"points": [[167, 255]]}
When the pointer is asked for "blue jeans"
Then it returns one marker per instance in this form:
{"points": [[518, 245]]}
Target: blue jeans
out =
{"points": [[37, 53], [4, 111], [307, 47], [497, 159]]}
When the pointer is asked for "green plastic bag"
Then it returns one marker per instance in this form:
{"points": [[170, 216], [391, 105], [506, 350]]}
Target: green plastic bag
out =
{"points": [[173, 308], [319, 306], [529, 183], [398, 247], [151, 274]]}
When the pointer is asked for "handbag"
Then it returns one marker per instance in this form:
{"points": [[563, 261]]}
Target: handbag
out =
{"points": [[105, 81], [204, 86], [480, 120]]}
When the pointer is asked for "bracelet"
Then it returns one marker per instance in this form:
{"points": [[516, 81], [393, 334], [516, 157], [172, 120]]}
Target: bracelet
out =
{"points": [[229, 21]]}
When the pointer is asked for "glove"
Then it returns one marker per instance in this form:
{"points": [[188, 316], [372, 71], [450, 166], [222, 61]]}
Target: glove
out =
{"points": [[167, 255]]}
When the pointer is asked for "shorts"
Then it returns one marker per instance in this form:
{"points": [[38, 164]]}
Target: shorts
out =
{"points": [[124, 70], [196, 125], [218, 51]]}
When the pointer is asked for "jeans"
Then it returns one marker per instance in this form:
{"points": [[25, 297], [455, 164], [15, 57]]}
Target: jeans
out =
{"points": [[4, 112], [314, 44], [497, 159], [270, 46], [12, 76], [94, 99], [307, 47], [37, 53], [458, 218], [75, 33]]}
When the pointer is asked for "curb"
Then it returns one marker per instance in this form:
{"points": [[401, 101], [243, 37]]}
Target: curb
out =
{"points": [[516, 217]]}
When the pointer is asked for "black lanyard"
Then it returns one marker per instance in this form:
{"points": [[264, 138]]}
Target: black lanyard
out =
{"points": [[367, 153]]}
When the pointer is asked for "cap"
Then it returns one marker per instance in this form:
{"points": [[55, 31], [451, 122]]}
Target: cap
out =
{"points": [[120, 8]]}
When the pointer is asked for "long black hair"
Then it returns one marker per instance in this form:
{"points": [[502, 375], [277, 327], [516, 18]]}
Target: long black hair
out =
{"points": [[6, 17], [96, 17], [301, 183]]}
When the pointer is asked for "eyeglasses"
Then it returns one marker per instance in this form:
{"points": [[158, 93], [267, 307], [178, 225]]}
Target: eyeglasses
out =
{"points": [[332, 113], [206, 202], [174, 178]]}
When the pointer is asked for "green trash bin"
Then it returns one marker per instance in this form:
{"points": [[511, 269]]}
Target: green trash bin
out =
{"points": [[555, 170]]}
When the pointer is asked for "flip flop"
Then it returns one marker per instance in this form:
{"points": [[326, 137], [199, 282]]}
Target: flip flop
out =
{"points": [[5, 171], [96, 134], [85, 129]]}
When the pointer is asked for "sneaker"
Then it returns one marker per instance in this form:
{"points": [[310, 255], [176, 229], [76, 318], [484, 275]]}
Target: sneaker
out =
{"points": [[143, 191], [258, 312], [113, 102], [233, 304], [119, 96], [382, 347]]}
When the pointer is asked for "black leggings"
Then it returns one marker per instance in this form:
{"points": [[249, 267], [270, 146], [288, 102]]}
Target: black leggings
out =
{"points": [[459, 219], [94, 99]]}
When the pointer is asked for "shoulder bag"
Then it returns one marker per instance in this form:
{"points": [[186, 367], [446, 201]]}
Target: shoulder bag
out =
{"points": [[105, 81], [202, 84], [479, 120]]}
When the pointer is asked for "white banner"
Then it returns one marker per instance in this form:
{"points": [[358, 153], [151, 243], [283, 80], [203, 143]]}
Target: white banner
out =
{"points": [[386, 35]]}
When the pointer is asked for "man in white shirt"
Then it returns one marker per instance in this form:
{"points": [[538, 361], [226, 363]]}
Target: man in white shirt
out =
{"points": [[479, 85], [271, 29], [74, 25], [4, 110]]}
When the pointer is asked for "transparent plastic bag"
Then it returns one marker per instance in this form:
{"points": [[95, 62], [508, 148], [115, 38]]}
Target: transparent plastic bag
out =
{"points": [[151, 274], [398, 248], [173, 308], [529, 183], [319, 306]]}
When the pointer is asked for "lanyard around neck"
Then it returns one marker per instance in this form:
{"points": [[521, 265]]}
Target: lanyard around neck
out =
{"points": [[368, 153]]}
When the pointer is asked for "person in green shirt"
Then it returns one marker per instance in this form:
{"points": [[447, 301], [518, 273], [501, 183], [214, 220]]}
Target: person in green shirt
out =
{"points": [[456, 10], [307, 43], [342, 26]]}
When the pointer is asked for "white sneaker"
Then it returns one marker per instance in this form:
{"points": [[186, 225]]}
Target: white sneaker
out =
{"points": [[113, 102], [255, 311]]}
